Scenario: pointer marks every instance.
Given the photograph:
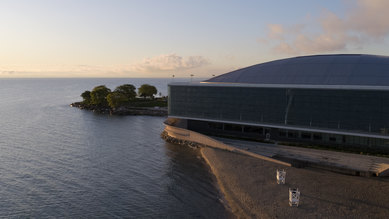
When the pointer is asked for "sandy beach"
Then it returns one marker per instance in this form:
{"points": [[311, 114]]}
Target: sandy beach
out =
{"points": [[250, 188]]}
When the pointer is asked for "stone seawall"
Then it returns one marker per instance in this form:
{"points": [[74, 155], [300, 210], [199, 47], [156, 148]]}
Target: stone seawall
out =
{"points": [[186, 137], [173, 140]]}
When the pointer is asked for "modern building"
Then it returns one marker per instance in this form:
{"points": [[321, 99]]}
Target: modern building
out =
{"points": [[333, 100]]}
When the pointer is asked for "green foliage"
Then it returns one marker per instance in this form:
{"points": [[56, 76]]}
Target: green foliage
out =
{"points": [[116, 99], [128, 90], [123, 95], [99, 95], [147, 90], [86, 97]]}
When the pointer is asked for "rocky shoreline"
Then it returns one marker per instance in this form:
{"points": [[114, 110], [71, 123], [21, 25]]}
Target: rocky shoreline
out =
{"points": [[123, 111], [167, 138]]}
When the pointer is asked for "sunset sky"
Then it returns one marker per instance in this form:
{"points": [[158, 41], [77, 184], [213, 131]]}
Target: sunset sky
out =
{"points": [[159, 38]]}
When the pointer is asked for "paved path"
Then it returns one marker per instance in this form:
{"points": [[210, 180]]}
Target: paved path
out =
{"points": [[337, 161]]}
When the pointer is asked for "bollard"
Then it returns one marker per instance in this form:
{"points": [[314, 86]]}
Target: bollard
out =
{"points": [[281, 175], [294, 197]]}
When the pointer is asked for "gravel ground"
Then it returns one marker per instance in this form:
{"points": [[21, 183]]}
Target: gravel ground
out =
{"points": [[249, 185]]}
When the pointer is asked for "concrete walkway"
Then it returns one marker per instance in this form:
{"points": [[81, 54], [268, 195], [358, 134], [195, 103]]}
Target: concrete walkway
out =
{"points": [[347, 163]]}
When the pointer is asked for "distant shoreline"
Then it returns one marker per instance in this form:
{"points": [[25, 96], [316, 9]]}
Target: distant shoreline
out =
{"points": [[124, 110]]}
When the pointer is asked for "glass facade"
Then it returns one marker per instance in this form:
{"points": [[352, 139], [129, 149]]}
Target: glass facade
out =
{"points": [[359, 111]]}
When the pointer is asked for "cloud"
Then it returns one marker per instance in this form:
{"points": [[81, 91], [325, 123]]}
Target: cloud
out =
{"points": [[367, 21], [276, 31], [169, 62], [52, 70], [370, 17], [7, 72], [302, 43]]}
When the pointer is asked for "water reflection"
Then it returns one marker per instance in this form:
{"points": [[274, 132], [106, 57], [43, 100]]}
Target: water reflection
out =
{"points": [[58, 161]]}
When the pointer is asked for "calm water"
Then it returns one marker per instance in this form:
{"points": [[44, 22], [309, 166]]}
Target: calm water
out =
{"points": [[58, 161]]}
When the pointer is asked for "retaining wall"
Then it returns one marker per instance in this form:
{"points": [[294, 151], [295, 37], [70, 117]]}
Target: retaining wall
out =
{"points": [[191, 138]]}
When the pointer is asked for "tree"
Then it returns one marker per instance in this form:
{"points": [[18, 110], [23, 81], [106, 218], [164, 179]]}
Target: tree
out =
{"points": [[147, 90], [99, 95], [116, 99], [128, 90], [86, 97]]}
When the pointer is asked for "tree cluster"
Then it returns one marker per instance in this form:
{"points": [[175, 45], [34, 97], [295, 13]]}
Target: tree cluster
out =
{"points": [[103, 97]]}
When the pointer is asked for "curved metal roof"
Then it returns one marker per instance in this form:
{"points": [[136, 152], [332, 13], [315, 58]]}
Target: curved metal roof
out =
{"points": [[343, 69]]}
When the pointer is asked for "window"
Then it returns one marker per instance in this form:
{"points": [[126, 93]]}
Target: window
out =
{"points": [[305, 135], [251, 129], [292, 134], [235, 128], [282, 133], [213, 125], [317, 136]]}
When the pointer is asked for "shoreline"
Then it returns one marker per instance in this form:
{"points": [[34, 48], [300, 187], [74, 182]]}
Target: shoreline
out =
{"points": [[230, 204], [249, 186], [124, 111], [248, 182]]}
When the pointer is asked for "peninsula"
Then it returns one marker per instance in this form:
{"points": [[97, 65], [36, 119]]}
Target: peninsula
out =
{"points": [[124, 100]]}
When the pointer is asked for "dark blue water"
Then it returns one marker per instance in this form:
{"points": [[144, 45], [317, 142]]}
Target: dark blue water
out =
{"points": [[58, 161]]}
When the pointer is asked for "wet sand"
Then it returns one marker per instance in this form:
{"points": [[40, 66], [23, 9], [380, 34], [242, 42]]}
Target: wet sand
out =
{"points": [[249, 185]]}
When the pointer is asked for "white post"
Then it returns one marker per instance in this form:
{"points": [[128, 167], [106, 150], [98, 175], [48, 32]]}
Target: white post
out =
{"points": [[281, 175], [294, 197]]}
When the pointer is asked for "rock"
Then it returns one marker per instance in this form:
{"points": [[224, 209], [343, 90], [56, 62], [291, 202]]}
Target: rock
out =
{"points": [[122, 111]]}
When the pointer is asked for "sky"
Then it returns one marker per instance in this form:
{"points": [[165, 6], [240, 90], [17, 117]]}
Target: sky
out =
{"points": [[162, 38]]}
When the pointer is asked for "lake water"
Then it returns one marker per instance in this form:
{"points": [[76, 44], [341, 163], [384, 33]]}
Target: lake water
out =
{"points": [[58, 161]]}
